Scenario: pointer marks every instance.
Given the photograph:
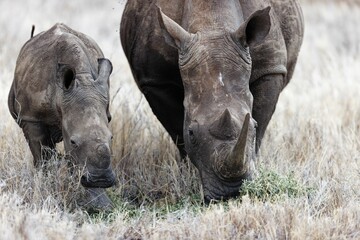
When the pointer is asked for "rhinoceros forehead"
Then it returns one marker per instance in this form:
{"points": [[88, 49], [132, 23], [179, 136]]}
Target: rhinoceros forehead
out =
{"points": [[213, 45]]}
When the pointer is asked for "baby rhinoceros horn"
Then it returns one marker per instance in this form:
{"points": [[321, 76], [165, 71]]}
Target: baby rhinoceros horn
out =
{"points": [[234, 165], [104, 155]]}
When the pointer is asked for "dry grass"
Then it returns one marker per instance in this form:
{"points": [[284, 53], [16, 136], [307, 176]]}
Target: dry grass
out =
{"points": [[312, 142]]}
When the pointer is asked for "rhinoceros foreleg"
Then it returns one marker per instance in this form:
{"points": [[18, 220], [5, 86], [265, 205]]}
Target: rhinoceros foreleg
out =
{"points": [[266, 92], [38, 137], [166, 102]]}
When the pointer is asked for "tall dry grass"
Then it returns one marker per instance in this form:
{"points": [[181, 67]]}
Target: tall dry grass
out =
{"points": [[314, 135]]}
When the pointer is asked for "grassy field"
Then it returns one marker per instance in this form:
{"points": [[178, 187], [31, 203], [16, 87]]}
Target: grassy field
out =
{"points": [[308, 185]]}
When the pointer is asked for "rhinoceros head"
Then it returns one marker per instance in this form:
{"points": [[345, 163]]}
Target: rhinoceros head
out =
{"points": [[219, 132], [85, 119]]}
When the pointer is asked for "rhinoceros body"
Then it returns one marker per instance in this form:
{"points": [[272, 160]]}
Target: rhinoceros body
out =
{"points": [[212, 72], [61, 91]]}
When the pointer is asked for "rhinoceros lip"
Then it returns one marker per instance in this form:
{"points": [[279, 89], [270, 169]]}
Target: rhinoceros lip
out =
{"points": [[105, 180], [212, 197], [221, 191]]}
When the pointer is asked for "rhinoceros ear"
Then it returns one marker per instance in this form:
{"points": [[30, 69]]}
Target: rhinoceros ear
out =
{"points": [[255, 28], [66, 74], [105, 68], [174, 34]]}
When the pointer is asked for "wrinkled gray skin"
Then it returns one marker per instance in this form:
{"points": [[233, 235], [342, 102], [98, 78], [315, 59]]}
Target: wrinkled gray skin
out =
{"points": [[212, 72], [61, 92]]}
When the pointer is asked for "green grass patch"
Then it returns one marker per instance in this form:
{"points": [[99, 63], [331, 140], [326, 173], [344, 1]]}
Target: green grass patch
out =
{"points": [[268, 186], [271, 186], [160, 209]]}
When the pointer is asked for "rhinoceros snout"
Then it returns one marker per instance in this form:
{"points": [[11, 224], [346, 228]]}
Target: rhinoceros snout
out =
{"points": [[103, 156], [98, 179], [216, 189], [216, 197]]}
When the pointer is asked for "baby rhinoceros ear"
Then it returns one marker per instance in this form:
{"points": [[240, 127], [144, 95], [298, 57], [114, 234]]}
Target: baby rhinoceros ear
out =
{"points": [[104, 69], [66, 75]]}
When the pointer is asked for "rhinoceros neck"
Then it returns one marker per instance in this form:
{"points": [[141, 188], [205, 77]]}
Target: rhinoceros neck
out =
{"points": [[200, 15]]}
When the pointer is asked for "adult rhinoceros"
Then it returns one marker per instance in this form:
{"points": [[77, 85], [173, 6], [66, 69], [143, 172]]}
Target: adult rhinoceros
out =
{"points": [[61, 91], [212, 72]]}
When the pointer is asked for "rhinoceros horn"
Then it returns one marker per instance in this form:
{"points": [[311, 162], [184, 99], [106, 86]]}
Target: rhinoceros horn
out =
{"points": [[234, 165], [223, 127]]}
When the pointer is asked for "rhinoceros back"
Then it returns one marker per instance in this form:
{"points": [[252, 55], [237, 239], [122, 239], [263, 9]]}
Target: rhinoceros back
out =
{"points": [[34, 94]]}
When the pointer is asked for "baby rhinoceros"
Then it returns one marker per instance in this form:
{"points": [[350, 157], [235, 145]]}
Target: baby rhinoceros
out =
{"points": [[61, 92]]}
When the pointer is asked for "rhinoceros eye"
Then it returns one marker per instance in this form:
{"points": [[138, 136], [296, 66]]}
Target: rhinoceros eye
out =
{"points": [[193, 132], [192, 136]]}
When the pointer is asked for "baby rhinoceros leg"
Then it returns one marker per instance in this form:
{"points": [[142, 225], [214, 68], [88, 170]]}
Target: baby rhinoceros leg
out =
{"points": [[38, 136]]}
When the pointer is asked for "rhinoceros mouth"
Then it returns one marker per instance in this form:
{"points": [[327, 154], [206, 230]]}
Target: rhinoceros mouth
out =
{"points": [[105, 179], [213, 197], [219, 190]]}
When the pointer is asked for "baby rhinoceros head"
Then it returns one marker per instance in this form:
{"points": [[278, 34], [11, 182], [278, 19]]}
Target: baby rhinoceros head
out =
{"points": [[85, 122]]}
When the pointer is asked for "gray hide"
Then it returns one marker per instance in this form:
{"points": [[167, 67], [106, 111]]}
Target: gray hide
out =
{"points": [[212, 72], [61, 92]]}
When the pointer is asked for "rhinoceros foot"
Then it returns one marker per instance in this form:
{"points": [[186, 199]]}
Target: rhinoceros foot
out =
{"points": [[95, 200]]}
